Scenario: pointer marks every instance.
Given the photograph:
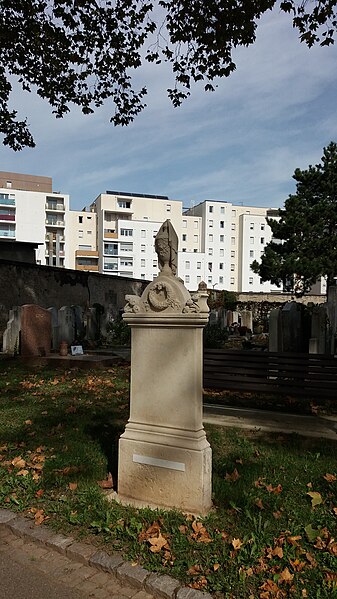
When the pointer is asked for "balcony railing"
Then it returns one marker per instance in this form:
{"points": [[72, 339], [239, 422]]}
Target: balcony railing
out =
{"points": [[55, 223], [61, 238], [7, 217], [92, 267], [110, 252], [7, 233], [7, 201], [110, 235], [57, 207], [87, 253]]}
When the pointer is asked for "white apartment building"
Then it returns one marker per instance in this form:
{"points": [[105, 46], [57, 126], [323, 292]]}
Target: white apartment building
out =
{"points": [[31, 211], [115, 235]]}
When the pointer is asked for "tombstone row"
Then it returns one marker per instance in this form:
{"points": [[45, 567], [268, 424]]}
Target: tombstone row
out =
{"points": [[33, 331]]}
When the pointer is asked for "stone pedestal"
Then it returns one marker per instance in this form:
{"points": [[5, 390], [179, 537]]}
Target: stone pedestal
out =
{"points": [[164, 457]]}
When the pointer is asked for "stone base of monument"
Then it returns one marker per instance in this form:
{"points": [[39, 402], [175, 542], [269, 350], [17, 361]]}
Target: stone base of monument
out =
{"points": [[165, 468]]}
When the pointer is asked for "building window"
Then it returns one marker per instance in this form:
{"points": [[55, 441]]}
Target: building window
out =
{"points": [[248, 212], [232, 240], [222, 252], [232, 267], [210, 208], [222, 209], [143, 233], [198, 265], [142, 248], [221, 265], [220, 280], [127, 262], [155, 264], [251, 240], [233, 212], [124, 204], [80, 234], [262, 227], [85, 247], [198, 279], [250, 280], [195, 251], [251, 253], [9, 184], [195, 237], [232, 253], [142, 262], [210, 224], [126, 232], [168, 207], [210, 251], [187, 264], [251, 226], [210, 237], [222, 224], [142, 276], [89, 232], [210, 266], [262, 240], [184, 249], [232, 280], [222, 238], [145, 218], [187, 279], [210, 280], [195, 224], [80, 219], [184, 224], [233, 226], [184, 236], [126, 247]]}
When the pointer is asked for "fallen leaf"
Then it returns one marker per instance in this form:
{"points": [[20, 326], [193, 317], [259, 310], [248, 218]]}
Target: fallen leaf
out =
{"points": [[194, 570], [312, 533], [28, 422], [18, 462], [22, 473], [72, 486], [293, 540], [259, 504], [334, 509], [286, 576], [39, 493], [330, 478], [232, 477], [276, 490], [157, 543], [277, 515], [237, 544], [316, 498], [183, 529], [216, 567], [278, 552]]}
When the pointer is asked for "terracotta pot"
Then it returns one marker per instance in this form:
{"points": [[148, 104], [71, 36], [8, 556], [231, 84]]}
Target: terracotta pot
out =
{"points": [[63, 348]]}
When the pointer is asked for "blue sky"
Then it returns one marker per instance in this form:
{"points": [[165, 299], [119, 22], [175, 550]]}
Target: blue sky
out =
{"points": [[240, 144]]}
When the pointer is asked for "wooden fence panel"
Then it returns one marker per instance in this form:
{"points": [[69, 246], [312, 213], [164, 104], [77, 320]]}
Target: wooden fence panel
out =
{"points": [[271, 372]]}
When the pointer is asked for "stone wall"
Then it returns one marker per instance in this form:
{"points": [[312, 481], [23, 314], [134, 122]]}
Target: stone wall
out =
{"points": [[47, 286]]}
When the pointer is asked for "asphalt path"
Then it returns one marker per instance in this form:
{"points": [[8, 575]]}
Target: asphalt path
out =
{"points": [[19, 581]]}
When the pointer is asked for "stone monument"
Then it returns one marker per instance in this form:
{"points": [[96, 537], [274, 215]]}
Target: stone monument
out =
{"points": [[164, 457]]}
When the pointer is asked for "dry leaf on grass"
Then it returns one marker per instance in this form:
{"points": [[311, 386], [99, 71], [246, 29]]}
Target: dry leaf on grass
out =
{"points": [[157, 543], [106, 483], [330, 478]]}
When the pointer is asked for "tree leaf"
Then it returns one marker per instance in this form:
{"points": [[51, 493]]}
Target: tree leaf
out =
{"points": [[316, 498]]}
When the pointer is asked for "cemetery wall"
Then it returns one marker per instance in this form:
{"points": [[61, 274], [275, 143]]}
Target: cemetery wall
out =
{"points": [[47, 286]]}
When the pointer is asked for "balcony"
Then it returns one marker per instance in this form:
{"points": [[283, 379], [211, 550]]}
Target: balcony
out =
{"points": [[87, 253], [110, 235], [7, 233], [55, 207], [10, 217], [55, 223], [61, 237], [7, 201], [92, 267]]}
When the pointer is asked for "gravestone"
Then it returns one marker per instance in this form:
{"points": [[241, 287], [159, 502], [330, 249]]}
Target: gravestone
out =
{"points": [[293, 335], [35, 331], [11, 336], [319, 323], [66, 322], [164, 456], [55, 341], [79, 322], [332, 316], [91, 333], [229, 318], [247, 319], [274, 326]]}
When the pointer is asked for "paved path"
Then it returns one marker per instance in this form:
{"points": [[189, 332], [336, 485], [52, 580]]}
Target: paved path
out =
{"points": [[263, 420], [30, 571]]}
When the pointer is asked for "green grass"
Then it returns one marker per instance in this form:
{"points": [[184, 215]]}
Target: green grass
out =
{"points": [[59, 435]]}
